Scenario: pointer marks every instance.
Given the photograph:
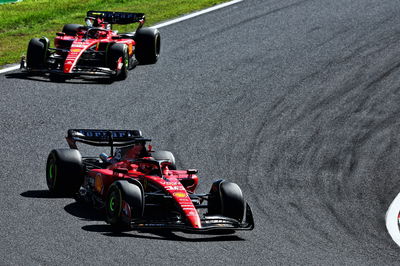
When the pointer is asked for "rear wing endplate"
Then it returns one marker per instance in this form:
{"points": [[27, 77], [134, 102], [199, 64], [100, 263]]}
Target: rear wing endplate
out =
{"points": [[117, 17], [104, 137]]}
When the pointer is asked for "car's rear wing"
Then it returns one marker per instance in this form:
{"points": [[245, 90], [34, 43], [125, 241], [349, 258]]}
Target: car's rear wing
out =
{"points": [[104, 137], [117, 17]]}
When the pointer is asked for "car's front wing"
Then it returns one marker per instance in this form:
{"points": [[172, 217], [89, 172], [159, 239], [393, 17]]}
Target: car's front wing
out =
{"points": [[208, 224], [87, 71]]}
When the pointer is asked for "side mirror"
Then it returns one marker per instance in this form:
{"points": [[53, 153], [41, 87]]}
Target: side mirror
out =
{"points": [[60, 33], [192, 171]]}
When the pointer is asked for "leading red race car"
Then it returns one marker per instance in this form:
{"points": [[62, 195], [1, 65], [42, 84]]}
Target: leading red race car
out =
{"points": [[140, 188], [94, 49]]}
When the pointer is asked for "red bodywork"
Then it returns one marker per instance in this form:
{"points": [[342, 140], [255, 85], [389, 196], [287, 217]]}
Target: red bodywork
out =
{"points": [[72, 47], [177, 183]]}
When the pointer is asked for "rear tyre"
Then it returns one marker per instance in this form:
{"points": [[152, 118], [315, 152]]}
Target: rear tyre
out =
{"points": [[64, 171], [124, 202], [71, 29], [118, 60], [148, 45], [36, 54], [165, 155], [226, 199]]}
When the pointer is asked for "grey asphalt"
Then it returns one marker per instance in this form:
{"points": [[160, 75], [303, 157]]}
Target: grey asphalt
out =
{"points": [[296, 101]]}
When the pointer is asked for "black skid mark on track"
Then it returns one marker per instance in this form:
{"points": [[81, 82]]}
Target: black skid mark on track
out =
{"points": [[218, 32]]}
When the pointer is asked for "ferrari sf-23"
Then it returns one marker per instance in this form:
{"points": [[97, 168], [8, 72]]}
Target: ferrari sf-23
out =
{"points": [[94, 49], [139, 188]]}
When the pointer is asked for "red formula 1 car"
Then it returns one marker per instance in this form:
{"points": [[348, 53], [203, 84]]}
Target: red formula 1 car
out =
{"points": [[94, 49], [140, 188]]}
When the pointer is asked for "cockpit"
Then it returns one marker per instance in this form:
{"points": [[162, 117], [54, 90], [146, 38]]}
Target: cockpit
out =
{"points": [[151, 167]]}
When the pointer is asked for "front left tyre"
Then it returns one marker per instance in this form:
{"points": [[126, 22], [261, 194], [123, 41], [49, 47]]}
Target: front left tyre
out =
{"points": [[148, 45], [64, 171]]}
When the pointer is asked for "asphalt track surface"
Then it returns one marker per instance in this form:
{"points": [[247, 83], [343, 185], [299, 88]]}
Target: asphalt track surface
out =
{"points": [[296, 101]]}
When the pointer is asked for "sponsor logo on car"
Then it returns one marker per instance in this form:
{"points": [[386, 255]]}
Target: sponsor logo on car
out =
{"points": [[187, 205], [78, 45], [173, 187], [179, 194]]}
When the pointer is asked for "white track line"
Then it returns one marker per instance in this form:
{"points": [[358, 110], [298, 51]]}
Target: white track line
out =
{"points": [[167, 23], [11, 68], [195, 14], [392, 220]]}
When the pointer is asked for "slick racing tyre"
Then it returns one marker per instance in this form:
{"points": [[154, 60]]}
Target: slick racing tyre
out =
{"points": [[165, 155], [125, 201], [226, 199], [64, 171], [148, 45], [118, 60], [37, 53], [71, 29]]}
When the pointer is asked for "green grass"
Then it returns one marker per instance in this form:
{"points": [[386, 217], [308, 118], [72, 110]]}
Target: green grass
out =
{"points": [[19, 22]]}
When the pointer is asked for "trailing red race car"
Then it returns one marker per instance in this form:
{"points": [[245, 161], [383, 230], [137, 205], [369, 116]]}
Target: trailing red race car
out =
{"points": [[140, 188], [94, 49]]}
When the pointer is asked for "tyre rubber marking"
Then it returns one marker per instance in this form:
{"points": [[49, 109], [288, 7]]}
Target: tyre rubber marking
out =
{"points": [[112, 203]]}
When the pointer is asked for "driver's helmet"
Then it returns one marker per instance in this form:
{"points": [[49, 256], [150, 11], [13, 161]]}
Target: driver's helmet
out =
{"points": [[165, 169], [100, 34], [89, 21], [96, 22]]}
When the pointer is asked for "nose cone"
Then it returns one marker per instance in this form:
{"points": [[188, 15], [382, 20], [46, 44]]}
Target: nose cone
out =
{"points": [[194, 219], [73, 56], [68, 66], [184, 201]]}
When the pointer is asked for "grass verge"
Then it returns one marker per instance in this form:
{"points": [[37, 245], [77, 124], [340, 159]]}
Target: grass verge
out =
{"points": [[19, 22]]}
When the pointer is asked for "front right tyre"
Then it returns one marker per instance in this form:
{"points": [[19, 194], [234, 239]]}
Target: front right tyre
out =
{"points": [[118, 60], [37, 54], [125, 201]]}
